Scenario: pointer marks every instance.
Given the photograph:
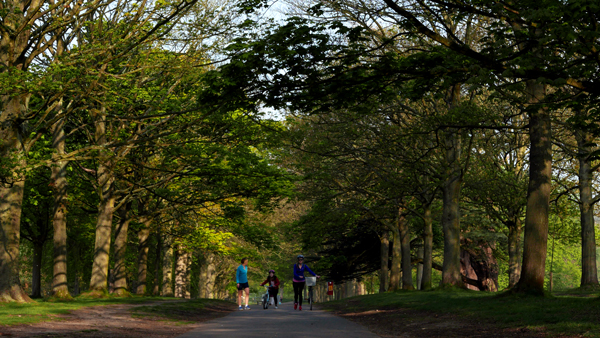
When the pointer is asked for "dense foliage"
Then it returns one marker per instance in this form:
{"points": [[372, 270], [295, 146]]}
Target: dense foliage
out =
{"points": [[426, 143]]}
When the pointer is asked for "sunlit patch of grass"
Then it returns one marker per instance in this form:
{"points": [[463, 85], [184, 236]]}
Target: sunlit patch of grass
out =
{"points": [[50, 309], [561, 315]]}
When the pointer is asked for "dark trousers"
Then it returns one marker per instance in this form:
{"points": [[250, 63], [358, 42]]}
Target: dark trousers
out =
{"points": [[273, 293], [298, 288]]}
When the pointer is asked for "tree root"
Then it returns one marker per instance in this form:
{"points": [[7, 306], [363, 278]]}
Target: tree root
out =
{"points": [[14, 294]]}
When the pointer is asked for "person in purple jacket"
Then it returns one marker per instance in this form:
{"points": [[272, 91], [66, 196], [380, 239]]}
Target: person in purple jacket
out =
{"points": [[299, 281]]}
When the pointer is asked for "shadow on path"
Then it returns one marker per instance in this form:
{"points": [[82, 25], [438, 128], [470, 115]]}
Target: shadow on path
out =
{"points": [[282, 322]]}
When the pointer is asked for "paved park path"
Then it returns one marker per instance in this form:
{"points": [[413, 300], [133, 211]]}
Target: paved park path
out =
{"points": [[282, 322]]}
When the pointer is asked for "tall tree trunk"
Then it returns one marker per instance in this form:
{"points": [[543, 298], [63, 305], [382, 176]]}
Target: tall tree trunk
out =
{"points": [[538, 193], [181, 272], [120, 249], [103, 233], [451, 198], [407, 281], [420, 254], [426, 283], [36, 271], [451, 226], [157, 265], [211, 276], [188, 270], [12, 183], [589, 272], [142, 261], [385, 261], [514, 251], [99, 278], [396, 269], [451, 213], [14, 44], [59, 220], [202, 278], [167, 267], [11, 199], [59, 184]]}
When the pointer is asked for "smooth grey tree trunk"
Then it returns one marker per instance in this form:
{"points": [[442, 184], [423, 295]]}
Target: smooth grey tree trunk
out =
{"points": [[142, 260], [451, 214], [211, 276], [99, 279], [396, 270], [451, 188], [202, 277], [420, 254], [157, 265], [181, 267], [385, 253], [58, 180], [538, 193], [167, 267], [188, 269], [589, 272], [407, 281], [120, 249], [426, 281]]}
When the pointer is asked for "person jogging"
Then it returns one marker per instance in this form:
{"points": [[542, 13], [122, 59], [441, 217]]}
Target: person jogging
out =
{"points": [[299, 281], [273, 283], [241, 278]]}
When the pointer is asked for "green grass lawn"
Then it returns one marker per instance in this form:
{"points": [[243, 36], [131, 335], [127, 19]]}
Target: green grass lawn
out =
{"points": [[577, 314], [186, 312], [44, 310]]}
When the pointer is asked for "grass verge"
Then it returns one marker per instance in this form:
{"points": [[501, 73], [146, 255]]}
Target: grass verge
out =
{"points": [[570, 315], [49, 309], [190, 311]]}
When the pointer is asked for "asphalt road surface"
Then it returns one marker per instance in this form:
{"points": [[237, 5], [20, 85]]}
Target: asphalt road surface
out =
{"points": [[282, 322]]}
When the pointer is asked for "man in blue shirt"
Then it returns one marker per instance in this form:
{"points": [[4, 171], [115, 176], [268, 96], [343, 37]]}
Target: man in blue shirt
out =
{"points": [[241, 278]]}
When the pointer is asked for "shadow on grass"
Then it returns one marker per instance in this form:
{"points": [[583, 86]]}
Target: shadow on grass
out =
{"points": [[558, 314], [48, 309], [194, 310]]}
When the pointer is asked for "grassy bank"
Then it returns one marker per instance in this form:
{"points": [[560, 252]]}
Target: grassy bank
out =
{"points": [[46, 310], [189, 311], [577, 314]]}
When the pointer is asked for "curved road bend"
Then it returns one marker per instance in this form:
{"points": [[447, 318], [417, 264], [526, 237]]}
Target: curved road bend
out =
{"points": [[283, 322]]}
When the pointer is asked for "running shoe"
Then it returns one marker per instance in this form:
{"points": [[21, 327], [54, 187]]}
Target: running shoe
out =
{"points": [[276, 306], [247, 307], [300, 308], [295, 306], [240, 308]]}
